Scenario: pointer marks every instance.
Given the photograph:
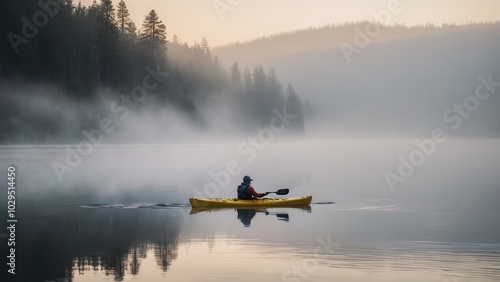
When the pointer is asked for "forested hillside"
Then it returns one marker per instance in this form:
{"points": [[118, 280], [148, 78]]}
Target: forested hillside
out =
{"points": [[401, 81], [64, 66]]}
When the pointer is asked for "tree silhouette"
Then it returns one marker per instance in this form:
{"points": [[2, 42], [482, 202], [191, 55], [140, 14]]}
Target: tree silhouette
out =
{"points": [[204, 47], [275, 98], [259, 91], [122, 16], [106, 37], [154, 36], [248, 82], [294, 107], [236, 73]]}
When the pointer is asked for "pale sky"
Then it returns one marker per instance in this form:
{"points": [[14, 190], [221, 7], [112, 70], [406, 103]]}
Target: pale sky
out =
{"points": [[240, 20]]}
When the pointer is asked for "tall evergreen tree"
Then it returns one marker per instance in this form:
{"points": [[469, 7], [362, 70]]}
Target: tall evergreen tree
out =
{"points": [[236, 73], [204, 47], [247, 99], [122, 16], [128, 37], [154, 36], [259, 92], [248, 83], [294, 107], [107, 35], [124, 23], [236, 85], [275, 97]]}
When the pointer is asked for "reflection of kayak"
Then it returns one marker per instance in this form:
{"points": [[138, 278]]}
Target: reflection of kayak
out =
{"points": [[195, 210], [266, 202]]}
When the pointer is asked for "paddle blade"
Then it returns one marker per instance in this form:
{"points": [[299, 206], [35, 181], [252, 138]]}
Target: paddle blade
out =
{"points": [[282, 215], [283, 191]]}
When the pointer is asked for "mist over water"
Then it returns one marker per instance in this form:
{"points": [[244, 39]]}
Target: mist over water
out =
{"points": [[121, 202], [460, 175]]}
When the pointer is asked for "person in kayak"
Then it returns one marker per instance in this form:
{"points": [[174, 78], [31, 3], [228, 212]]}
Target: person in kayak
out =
{"points": [[246, 191]]}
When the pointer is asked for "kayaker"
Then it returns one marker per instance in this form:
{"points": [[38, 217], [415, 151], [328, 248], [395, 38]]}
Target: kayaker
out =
{"points": [[246, 191]]}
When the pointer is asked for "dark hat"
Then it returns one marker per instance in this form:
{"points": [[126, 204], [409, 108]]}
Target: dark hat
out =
{"points": [[247, 179]]}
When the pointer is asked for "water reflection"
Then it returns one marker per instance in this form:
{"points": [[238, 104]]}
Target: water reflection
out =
{"points": [[130, 242], [67, 242], [246, 214]]}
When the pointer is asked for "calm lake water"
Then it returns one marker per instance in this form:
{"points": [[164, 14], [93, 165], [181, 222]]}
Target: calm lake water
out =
{"points": [[122, 213]]}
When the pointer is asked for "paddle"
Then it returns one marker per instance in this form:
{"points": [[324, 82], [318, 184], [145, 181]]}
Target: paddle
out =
{"points": [[281, 191]]}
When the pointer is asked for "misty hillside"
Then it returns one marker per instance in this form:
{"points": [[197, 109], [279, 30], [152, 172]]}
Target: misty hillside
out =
{"points": [[91, 69], [400, 83]]}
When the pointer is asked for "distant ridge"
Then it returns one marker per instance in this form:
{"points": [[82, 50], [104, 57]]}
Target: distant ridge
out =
{"points": [[327, 37], [401, 82]]}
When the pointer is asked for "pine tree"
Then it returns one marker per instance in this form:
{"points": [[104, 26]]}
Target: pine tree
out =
{"points": [[246, 101], [122, 15], [294, 107], [275, 98], [204, 47], [107, 34], [127, 64], [259, 92], [248, 83], [154, 36], [236, 85], [236, 74]]}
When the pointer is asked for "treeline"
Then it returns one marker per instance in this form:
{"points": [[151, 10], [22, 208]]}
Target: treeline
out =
{"points": [[261, 94], [331, 34], [79, 47], [86, 48]]}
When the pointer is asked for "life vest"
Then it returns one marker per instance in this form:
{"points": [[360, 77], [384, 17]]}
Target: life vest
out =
{"points": [[242, 191]]}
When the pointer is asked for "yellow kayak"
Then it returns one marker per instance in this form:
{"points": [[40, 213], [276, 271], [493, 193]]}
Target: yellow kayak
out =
{"points": [[265, 202]]}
